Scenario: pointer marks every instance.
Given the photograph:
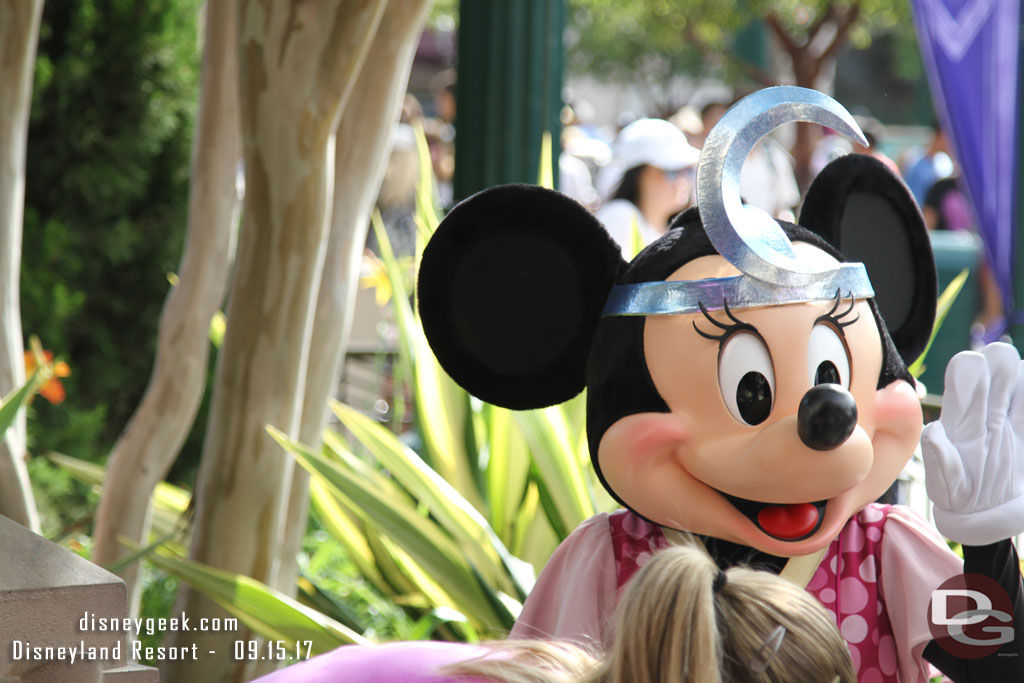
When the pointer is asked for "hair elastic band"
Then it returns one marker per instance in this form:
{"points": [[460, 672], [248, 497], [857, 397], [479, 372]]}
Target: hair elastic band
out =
{"points": [[719, 581]]}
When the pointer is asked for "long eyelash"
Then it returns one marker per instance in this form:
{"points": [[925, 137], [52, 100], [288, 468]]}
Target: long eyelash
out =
{"points": [[726, 329], [835, 305], [839, 319]]}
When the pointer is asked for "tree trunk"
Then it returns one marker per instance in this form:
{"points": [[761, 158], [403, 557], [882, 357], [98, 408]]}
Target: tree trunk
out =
{"points": [[805, 70], [154, 435], [363, 145], [19, 33], [809, 56], [298, 62]]}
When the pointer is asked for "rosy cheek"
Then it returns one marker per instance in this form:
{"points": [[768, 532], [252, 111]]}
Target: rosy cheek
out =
{"points": [[898, 410], [636, 448], [898, 424]]}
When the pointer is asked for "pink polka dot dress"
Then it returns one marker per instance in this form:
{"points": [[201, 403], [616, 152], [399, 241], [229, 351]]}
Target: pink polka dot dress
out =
{"points": [[847, 583]]}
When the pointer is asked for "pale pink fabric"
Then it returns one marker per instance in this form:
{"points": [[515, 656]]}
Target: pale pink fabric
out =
{"points": [[574, 598], [413, 662], [915, 561]]}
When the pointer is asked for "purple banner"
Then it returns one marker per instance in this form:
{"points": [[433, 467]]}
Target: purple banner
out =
{"points": [[970, 51]]}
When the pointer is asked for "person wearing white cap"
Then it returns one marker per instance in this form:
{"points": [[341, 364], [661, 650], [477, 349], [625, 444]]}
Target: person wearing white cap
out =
{"points": [[654, 166]]}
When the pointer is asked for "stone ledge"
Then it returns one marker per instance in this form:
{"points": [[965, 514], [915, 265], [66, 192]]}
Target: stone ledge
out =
{"points": [[45, 592]]}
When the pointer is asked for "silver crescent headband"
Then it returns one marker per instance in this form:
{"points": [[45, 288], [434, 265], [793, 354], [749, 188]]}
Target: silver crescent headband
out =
{"points": [[744, 235]]}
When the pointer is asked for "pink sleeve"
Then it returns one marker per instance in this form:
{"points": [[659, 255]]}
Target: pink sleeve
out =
{"points": [[915, 561], [575, 595], [408, 662]]}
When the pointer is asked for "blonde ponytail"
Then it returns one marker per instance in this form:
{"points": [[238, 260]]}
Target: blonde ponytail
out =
{"points": [[681, 620], [667, 629]]}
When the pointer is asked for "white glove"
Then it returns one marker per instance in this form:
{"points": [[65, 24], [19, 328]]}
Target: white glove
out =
{"points": [[974, 453]]}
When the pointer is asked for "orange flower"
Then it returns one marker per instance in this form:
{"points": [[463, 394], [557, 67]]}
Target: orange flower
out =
{"points": [[50, 388]]}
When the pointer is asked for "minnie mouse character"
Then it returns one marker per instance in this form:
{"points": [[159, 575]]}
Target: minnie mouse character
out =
{"points": [[747, 390]]}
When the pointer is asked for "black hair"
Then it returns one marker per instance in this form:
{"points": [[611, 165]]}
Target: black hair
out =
{"points": [[629, 186]]}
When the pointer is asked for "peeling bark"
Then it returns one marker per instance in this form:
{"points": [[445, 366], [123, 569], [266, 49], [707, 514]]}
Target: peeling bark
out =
{"points": [[149, 444], [298, 63], [363, 144], [19, 33]]}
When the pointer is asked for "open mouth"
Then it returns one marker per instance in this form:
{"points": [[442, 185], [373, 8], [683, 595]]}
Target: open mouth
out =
{"points": [[785, 522]]}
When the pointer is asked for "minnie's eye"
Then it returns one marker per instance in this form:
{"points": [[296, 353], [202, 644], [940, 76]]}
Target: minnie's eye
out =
{"points": [[746, 378], [827, 359]]}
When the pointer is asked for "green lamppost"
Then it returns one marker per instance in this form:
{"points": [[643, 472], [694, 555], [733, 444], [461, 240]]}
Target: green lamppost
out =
{"points": [[509, 91]]}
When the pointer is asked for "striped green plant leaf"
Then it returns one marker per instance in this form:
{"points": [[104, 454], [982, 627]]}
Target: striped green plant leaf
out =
{"points": [[266, 611], [636, 239], [942, 307], [427, 544], [168, 503], [440, 402], [546, 175], [454, 513], [429, 587], [427, 213], [443, 417], [399, 294], [508, 469], [313, 596], [401, 576], [13, 401], [561, 481], [343, 527], [534, 539], [575, 410]]}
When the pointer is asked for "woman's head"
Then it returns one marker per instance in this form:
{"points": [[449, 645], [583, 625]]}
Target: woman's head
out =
{"points": [[663, 190], [680, 621], [658, 164]]}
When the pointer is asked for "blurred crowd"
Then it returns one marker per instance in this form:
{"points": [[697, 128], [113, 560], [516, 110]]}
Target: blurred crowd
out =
{"points": [[638, 175]]}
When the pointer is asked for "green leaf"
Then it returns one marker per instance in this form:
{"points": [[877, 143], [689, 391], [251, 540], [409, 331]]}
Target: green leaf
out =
{"points": [[545, 175], [399, 294], [508, 468], [13, 401], [324, 602], [343, 528], [132, 557], [440, 402], [535, 539], [266, 611], [944, 304], [636, 239], [561, 479], [442, 416], [459, 518], [428, 216], [168, 503], [381, 506], [218, 326]]}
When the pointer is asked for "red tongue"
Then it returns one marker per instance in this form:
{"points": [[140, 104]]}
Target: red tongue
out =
{"points": [[788, 521]]}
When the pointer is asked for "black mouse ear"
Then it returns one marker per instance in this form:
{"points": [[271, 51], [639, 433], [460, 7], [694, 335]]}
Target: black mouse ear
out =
{"points": [[511, 288], [860, 207]]}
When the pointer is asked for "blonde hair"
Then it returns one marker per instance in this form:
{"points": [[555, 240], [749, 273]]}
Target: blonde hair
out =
{"points": [[674, 625]]}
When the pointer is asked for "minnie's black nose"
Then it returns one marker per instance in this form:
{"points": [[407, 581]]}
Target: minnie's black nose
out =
{"points": [[826, 417]]}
